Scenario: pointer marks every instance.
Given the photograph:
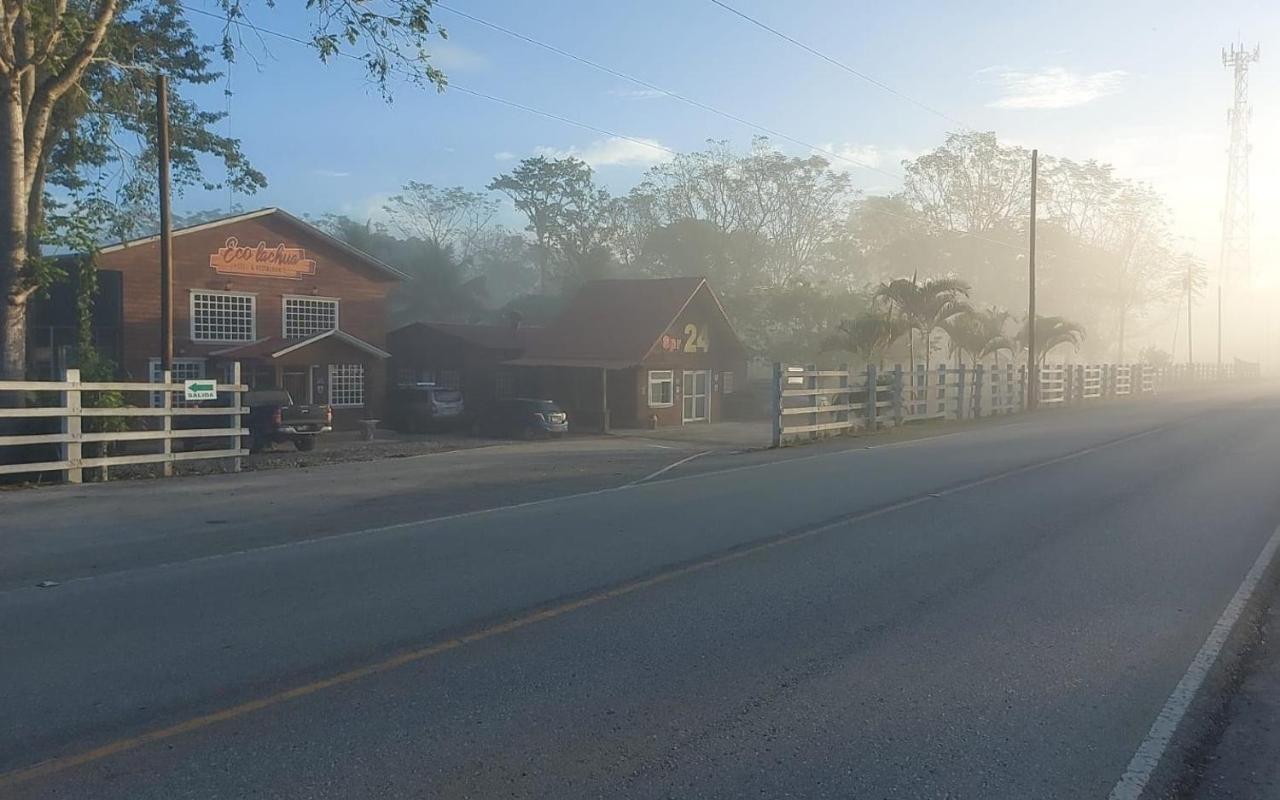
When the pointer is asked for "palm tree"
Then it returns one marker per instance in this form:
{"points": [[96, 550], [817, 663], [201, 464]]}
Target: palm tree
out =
{"points": [[867, 335], [1052, 332], [925, 306]]}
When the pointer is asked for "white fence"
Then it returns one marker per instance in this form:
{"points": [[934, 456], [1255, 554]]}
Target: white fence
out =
{"points": [[812, 402], [157, 412]]}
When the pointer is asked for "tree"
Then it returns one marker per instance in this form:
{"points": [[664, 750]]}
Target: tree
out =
{"points": [[971, 183], [76, 80], [446, 217], [978, 334], [925, 306], [569, 216], [867, 335], [1052, 332], [1192, 279], [437, 287]]}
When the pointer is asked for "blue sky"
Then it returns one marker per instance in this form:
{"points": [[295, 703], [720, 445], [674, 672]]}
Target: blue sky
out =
{"points": [[1137, 82]]}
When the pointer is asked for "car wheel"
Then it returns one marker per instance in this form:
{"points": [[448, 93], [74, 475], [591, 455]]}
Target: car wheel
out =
{"points": [[305, 444]]}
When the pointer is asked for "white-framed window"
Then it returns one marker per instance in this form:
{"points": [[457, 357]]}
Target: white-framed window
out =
{"points": [[222, 317], [305, 317], [727, 383], [662, 385], [504, 385], [184, 369], [346, 385]]}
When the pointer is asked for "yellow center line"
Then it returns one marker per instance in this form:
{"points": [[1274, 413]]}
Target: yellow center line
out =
{"points": [[61, 764]]}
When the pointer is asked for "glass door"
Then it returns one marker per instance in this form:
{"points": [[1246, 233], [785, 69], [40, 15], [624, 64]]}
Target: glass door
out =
{"points": [[694, 385]]}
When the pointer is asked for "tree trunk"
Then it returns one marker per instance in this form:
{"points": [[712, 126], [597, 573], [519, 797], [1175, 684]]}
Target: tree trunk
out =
{"points": [[13, 234], [1120, 344]]}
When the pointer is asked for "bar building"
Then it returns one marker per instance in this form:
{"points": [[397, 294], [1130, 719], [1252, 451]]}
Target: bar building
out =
{"points": [[295, 306], [625, 353]]}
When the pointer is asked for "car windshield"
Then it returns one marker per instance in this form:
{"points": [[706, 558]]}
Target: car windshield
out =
{"points": [[542, 406], [724, 399]]}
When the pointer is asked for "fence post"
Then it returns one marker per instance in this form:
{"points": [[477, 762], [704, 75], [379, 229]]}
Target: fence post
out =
{"points": [[71, 426], [166, 378], [236, 420], [897, 396], [811, 383], [776, 404], [873, 397]]}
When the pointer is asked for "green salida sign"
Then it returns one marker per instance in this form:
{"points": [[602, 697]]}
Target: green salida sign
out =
{"points": [[201, 389]]}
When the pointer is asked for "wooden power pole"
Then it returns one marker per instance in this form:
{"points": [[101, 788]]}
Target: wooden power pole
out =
{"points": [[166, 225], [1033, 382]]}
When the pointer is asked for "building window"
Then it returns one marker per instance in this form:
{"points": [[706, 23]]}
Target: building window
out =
{"points": [[449, 379], [726, 382], [661, 388], [222, 317], [184, 369], [504, 385], [346, 385], [305, 317]]}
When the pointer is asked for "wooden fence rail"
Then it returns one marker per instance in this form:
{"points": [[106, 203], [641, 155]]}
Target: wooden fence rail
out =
{"points": [[812, 402], [70, 410]]}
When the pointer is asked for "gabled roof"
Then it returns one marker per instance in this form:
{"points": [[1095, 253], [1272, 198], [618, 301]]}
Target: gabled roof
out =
{"points": [[275, 346], [614, 323], [333, 241], [489, 337]]}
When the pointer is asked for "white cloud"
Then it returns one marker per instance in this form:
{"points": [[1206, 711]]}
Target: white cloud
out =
{"points": [[1052, 87], [614, 151], [637, 94], [504, 155], [452, 57], [850, 155], [330, 173]]}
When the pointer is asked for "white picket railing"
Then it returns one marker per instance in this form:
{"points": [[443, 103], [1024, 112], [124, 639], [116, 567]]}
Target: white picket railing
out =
{"points": [[71, 413], [814, 402]]}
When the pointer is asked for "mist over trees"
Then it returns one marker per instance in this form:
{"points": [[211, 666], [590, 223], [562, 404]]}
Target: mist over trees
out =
{"points": [[808, 266]]}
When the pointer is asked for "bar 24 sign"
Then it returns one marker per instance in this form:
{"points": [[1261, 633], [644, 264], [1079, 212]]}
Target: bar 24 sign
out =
{"points": [[694, 340]]}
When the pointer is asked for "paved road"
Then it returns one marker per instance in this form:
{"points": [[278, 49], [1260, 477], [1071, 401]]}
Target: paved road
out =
{"points": [[1001, 612]]}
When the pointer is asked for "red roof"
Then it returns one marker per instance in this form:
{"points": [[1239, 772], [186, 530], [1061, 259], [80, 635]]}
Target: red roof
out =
{"points": [[612, 323]]}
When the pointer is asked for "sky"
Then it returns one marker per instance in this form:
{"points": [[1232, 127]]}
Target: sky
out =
{"points": [[1137, 83]]}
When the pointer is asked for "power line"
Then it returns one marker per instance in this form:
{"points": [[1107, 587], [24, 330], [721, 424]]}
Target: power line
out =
{"points": [[577, 124], [837, 63], [667, 92]]}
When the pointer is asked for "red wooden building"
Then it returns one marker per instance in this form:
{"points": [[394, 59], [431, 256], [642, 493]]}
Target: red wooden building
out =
{"points": [[634, 353], [297, 307]]}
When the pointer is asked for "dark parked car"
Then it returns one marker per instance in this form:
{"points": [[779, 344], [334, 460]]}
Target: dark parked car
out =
{"points": [[523, 418], [273, 417], [421, 407]]}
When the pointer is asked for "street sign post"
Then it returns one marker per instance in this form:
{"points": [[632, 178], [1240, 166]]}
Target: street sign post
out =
{"points": [[200, 389]]}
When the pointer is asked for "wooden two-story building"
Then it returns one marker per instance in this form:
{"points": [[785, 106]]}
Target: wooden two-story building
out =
{"points": [[295, 306]]}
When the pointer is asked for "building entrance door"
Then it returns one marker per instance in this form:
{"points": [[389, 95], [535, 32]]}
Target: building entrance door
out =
{"points": [[298, 384], [694, 384]]}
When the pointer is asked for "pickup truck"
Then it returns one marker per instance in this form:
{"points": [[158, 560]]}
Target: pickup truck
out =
{"points": [[273, 417]]}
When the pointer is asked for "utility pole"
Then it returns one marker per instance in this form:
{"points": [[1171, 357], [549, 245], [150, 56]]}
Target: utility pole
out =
{"points": [[166, 225], [1219, 373], [1234, 259], [1190, 360], [1033, 377]]}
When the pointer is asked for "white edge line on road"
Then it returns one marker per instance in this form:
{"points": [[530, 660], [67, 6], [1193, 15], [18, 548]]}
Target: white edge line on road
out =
{"points": [[414, 523], [1144, 762], [668, 468]]}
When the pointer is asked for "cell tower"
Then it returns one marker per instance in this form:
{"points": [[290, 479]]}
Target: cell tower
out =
{"points": [[1234, 259]]}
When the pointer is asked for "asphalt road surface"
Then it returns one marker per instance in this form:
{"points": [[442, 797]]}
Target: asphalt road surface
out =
{"points": [[997, 613]]}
